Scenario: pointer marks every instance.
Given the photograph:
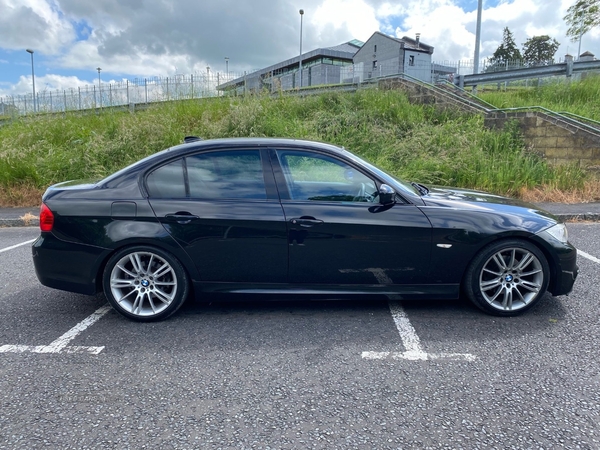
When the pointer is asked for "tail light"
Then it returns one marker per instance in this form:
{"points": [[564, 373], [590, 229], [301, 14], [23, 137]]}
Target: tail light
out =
{"points": [[46, 218]]}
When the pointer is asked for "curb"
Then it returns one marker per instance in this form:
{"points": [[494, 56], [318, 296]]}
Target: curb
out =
{"points": [[9, 223], [583, 217]]}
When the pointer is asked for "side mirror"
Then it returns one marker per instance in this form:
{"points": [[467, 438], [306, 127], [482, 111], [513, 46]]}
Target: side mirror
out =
{"points": [[387, 195]]}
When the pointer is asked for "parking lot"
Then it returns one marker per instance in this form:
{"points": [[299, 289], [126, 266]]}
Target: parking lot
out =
{"points": [[367, 373]]}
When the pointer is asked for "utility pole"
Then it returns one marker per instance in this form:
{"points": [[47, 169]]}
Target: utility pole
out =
{"points": [[301, 15]]}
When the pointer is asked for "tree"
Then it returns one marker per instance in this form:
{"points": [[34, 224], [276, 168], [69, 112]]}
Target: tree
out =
{"points": [[540, 50], [507, 50], [506, 54], [581, 17]]}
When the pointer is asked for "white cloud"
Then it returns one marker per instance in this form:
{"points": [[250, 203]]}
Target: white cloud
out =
{"points": [[33, 24], [143, 38], [357, 18]]}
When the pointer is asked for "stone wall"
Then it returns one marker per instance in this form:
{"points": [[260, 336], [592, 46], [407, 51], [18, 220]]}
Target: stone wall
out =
{"points": [[424, 95], [560, 142]]}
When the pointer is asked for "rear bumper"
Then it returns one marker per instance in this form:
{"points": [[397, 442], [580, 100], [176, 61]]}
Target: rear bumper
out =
{"points": [[66, 265]]}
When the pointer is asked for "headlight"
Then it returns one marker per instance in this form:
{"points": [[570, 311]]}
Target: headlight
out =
{"points": [[558, 232]]}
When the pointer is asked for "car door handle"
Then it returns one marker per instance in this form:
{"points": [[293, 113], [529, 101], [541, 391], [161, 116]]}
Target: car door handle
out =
{"points": [[306, 222], [181, 217]]}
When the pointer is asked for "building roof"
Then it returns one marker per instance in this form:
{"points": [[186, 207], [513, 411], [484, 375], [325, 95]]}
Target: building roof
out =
{"points": [[407, 43], [345, 50]]}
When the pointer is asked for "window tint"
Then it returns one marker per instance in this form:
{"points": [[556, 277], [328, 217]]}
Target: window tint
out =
{"points": [[311, 176], [227, 174], [167, 181]]}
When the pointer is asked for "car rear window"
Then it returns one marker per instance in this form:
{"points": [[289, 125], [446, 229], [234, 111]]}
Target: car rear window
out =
{"points": [[167, 181]]}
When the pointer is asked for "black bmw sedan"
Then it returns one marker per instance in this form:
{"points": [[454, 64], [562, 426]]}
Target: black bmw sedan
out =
{"points": [[279, 215]]}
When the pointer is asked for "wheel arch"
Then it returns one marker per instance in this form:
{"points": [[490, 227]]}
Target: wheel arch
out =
{"points": [[483, 284], [173, 249], [527, 237]]}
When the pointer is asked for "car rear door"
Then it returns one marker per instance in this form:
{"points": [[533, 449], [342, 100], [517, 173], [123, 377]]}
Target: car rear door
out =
{"points": [[223, 208]]}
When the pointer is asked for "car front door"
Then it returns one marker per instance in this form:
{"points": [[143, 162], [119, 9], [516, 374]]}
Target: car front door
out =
{"points": [[339, 233], [223, 209]]}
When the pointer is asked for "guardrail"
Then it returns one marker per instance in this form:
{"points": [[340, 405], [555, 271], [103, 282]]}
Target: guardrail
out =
{"points": [[566, 68]]}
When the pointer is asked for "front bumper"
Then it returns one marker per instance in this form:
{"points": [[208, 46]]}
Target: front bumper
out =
{"points": [[566, 273]]}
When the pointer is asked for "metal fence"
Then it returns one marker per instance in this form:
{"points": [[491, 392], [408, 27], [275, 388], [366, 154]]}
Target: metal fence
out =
{"points": [[213, 84], [125, 93]]}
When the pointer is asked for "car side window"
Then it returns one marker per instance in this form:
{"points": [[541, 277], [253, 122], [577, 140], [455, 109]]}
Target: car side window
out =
{"points": [[317, 177], [167, 181], [226, 174]]}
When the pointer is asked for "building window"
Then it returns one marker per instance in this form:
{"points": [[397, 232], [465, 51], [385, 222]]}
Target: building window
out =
{"points": [[375, 49], [374, 64], [411, 60]]}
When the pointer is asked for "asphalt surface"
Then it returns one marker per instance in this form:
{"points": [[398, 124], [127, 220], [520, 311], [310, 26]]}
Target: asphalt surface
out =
{"points": [[24, 217], [224, 374]]}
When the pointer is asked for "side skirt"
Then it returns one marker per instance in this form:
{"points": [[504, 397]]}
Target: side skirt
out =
{"points": [[404, 292]]}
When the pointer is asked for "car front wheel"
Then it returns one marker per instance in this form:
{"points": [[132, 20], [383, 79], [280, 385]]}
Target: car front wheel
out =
{"points": [[145, 283], [506, 278]]}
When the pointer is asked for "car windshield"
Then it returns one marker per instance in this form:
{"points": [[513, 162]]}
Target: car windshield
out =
{"points": [[399, 185]]}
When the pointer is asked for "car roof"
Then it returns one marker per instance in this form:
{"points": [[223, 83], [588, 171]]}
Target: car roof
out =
{"points": [[251, 142]]}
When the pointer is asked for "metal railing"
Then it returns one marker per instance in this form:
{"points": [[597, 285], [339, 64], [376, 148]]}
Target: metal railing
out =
{"points": [[211, 84], [590, 125], [465, 97]]}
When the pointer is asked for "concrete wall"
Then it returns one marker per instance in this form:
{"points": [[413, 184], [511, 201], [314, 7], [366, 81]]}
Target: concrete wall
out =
{"points": [[382, 51], [418, 65], [559, 142]]}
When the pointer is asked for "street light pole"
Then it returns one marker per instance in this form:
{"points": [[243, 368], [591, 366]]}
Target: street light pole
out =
{"points": [[99, 87], [227, 66], [477, 37], [32, 76], [301, 15]]}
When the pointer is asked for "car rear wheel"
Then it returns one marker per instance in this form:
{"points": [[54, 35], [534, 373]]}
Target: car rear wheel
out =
{"points": [[145, 283], [507, 278]]}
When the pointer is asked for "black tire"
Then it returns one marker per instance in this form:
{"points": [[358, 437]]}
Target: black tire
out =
{"points": [[145, 283], [507, 278]]}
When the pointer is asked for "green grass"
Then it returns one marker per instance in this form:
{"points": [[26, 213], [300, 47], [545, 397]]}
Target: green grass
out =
{"points": [[413, 142], [578, 97]]}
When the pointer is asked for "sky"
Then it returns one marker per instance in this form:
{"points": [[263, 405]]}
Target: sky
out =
{"points": [[131, 39]]}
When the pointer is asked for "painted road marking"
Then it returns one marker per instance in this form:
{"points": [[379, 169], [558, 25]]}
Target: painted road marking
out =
{"points": [[588, 256], [61, 345], [15, 246], [412, 344]]}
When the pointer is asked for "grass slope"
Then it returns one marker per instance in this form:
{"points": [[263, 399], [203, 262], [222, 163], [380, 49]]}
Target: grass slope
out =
{"points": [[413, 142]]}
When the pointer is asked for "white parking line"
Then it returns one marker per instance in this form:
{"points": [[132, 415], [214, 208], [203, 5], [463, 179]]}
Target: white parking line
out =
{"points": [[588, 256], [412, 344], [16, 245], [60, 345]]}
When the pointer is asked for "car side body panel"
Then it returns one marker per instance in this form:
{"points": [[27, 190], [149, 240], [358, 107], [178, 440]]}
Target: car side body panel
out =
{"points": [[418, 247]]}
